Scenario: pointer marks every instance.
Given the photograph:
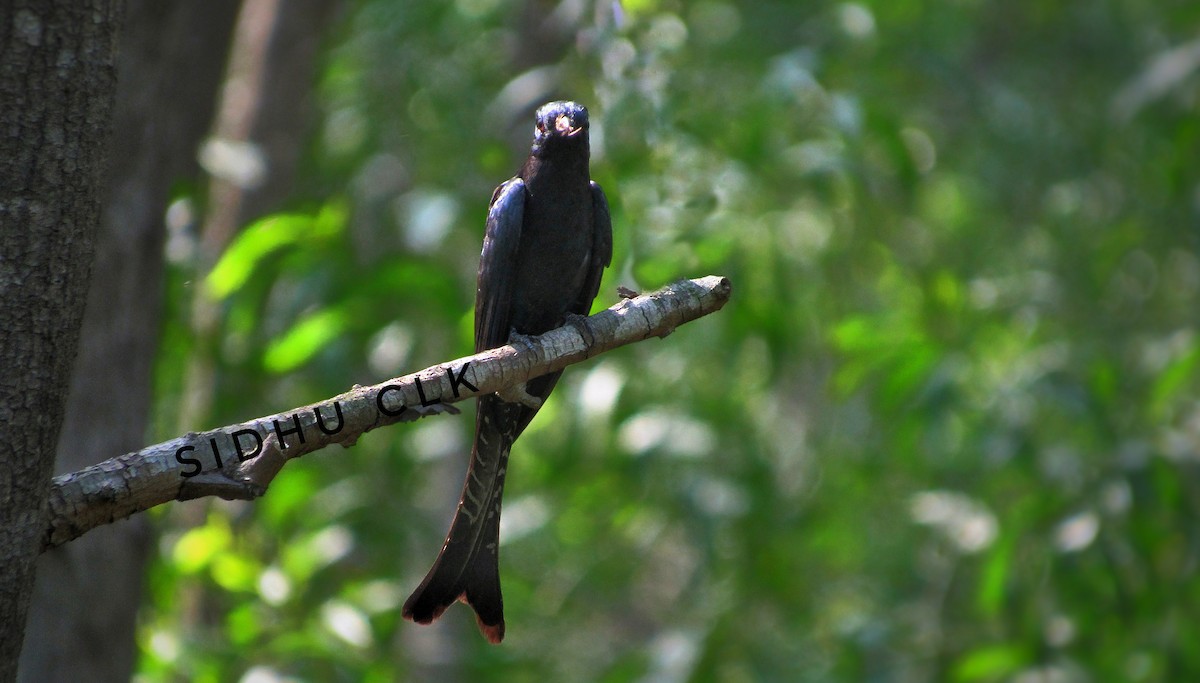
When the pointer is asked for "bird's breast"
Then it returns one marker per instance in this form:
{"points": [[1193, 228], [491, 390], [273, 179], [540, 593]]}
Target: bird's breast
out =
{"points": [[556, 240]]}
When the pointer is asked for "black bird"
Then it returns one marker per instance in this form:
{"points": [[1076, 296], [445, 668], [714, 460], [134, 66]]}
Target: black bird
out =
{"points": [[548, 239]]}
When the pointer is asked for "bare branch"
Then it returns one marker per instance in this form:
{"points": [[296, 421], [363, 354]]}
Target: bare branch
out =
{"points": [[239, 461]]}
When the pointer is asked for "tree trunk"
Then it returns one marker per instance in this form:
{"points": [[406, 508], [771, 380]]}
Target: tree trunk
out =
{"points": [[86, 597], [57, 85]]}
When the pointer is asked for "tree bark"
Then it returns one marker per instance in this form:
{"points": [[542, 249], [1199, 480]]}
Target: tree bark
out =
{"points": [[57, 85], [86, 596]]}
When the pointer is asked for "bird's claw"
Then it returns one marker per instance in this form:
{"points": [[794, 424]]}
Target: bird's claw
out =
{"points": [[579, 322], [519, 394], [525, 340]]}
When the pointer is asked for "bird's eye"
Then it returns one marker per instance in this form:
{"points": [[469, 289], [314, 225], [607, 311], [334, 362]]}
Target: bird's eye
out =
{"points": [[541, 126]]}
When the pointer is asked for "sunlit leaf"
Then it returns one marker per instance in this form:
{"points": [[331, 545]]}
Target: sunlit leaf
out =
{"points": [[306, 338], [994, 662], [197, 547], [264, 238], [254, 244], [235, 571], [244, 624]]}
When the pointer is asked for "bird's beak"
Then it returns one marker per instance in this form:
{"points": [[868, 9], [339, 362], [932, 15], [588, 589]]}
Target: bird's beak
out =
{"points": [[563, 125]]}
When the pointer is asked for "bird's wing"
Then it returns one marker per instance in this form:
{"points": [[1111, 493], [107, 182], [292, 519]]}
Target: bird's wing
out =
{"points": [[498, 265], [601, 254]]}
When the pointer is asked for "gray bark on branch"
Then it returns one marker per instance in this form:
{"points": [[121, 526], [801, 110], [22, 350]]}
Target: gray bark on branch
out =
{"points": [[239, 461]]}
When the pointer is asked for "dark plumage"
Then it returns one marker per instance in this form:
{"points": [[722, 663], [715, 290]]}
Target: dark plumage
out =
{"points": [[549, 238]]}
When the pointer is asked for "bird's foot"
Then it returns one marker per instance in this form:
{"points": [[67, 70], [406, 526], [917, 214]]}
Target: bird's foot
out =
{"points": [[520, 394], [515, 338], [627, 293], [580, 323]]}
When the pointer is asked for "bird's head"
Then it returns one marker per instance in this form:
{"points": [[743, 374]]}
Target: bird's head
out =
{"points": [[560, 124]]}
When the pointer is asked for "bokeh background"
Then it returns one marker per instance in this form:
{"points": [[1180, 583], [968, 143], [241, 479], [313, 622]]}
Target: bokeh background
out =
{"points": [[948, 428]]}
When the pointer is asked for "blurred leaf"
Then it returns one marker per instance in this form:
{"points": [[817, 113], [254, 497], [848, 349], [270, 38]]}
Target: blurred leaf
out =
{"points": [[197, 547], [993, 584], [1173, 379], [243, 625], [235, 572], [306, 338], [991, 663], [252, 245], [290, 492], [266, 236]]}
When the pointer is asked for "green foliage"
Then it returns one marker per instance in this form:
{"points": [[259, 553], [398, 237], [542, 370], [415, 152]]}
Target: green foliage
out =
{"points": [[947, 429]]}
